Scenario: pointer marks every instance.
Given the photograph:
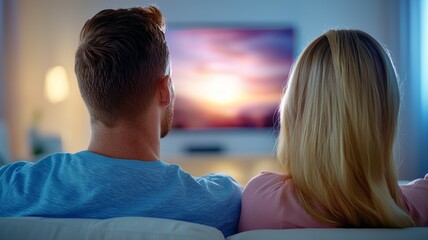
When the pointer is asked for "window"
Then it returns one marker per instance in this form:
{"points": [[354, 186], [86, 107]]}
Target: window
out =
{"points": [[424, 58]]}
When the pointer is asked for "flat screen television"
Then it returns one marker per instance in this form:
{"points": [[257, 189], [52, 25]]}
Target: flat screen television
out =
{"points": [[228, 84]]}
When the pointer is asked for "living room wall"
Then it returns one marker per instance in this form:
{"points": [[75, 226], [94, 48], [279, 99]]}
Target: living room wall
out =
{"points": [[2, 85]]}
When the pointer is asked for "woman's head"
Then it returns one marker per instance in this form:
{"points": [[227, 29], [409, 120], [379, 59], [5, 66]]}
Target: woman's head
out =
{"points": [[338, 123]]}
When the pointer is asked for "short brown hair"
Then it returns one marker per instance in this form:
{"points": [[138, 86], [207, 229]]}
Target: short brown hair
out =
{"points": [[121, 55]]}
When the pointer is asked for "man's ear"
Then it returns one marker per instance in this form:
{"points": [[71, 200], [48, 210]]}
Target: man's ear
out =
{"points": [[164, 88]]}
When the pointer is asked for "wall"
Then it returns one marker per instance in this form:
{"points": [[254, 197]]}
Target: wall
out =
{"points": [[44, 33], [2, 84], [412, 144], [41, 35], [423, 156]]}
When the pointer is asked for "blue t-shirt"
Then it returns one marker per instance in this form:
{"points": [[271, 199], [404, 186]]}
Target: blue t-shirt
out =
{"points": [[88, 185]]}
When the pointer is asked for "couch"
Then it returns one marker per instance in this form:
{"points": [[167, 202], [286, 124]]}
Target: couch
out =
{"points": [[130, 228]]}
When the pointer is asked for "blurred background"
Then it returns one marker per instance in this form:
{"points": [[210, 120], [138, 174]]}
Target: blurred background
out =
{"points": [[41, 110]]}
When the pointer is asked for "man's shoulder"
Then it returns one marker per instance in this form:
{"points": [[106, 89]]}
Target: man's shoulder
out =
{"points": [[55, 157], [221, 185], [36, 169], [12, 169], [218, 178]]}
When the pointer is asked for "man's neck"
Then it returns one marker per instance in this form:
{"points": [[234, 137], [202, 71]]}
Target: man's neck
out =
{"points": [[125, 142]]}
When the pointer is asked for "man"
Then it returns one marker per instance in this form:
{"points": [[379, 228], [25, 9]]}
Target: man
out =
{"points": [[123, 70]]}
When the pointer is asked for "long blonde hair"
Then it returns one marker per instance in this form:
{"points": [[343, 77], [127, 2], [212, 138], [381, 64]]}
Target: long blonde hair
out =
{"points": [[338, 123]]}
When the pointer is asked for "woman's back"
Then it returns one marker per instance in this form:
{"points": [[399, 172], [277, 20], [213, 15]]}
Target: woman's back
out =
{"points": [[269, 201], [338, 120]]}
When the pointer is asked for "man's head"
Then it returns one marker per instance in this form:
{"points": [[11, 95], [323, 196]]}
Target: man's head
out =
{"points": [[120, 60]]}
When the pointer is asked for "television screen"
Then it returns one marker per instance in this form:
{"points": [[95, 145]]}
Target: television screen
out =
{"points": [[229, 77]]}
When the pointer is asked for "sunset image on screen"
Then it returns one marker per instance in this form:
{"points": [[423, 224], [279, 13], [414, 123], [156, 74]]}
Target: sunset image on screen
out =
{"points": [[228, 78]]}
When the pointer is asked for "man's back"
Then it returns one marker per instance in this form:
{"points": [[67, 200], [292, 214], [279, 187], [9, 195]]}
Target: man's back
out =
{"points": [[89, 185]]}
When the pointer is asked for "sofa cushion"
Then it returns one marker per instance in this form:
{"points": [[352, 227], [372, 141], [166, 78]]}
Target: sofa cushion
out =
{"points": [[36, 228], [416, 233]]}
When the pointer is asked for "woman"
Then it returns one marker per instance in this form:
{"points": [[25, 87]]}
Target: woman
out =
{"points": [[338, 124]]}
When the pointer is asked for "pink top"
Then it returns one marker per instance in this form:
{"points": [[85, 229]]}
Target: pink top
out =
{"points": [[269, 201]]}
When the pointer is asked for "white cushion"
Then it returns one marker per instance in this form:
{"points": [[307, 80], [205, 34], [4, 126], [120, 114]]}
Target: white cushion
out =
{"points": [[37, 228], [416, 233]]}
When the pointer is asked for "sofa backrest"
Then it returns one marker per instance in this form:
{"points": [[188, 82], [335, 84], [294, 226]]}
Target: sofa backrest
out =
{"points": [[130, 228]]}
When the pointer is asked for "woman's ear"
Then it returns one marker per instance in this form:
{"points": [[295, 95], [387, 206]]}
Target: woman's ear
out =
{"points": [[166, 91]]}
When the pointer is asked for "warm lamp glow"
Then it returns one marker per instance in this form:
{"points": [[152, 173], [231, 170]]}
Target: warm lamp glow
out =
{"points": [[56, 84]]}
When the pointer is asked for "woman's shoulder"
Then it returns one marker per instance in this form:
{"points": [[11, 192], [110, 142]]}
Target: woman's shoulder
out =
{"points": [[415, 195], [269, 201], [262, 202], [267, 179], [416, 187], [268, 187]]}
